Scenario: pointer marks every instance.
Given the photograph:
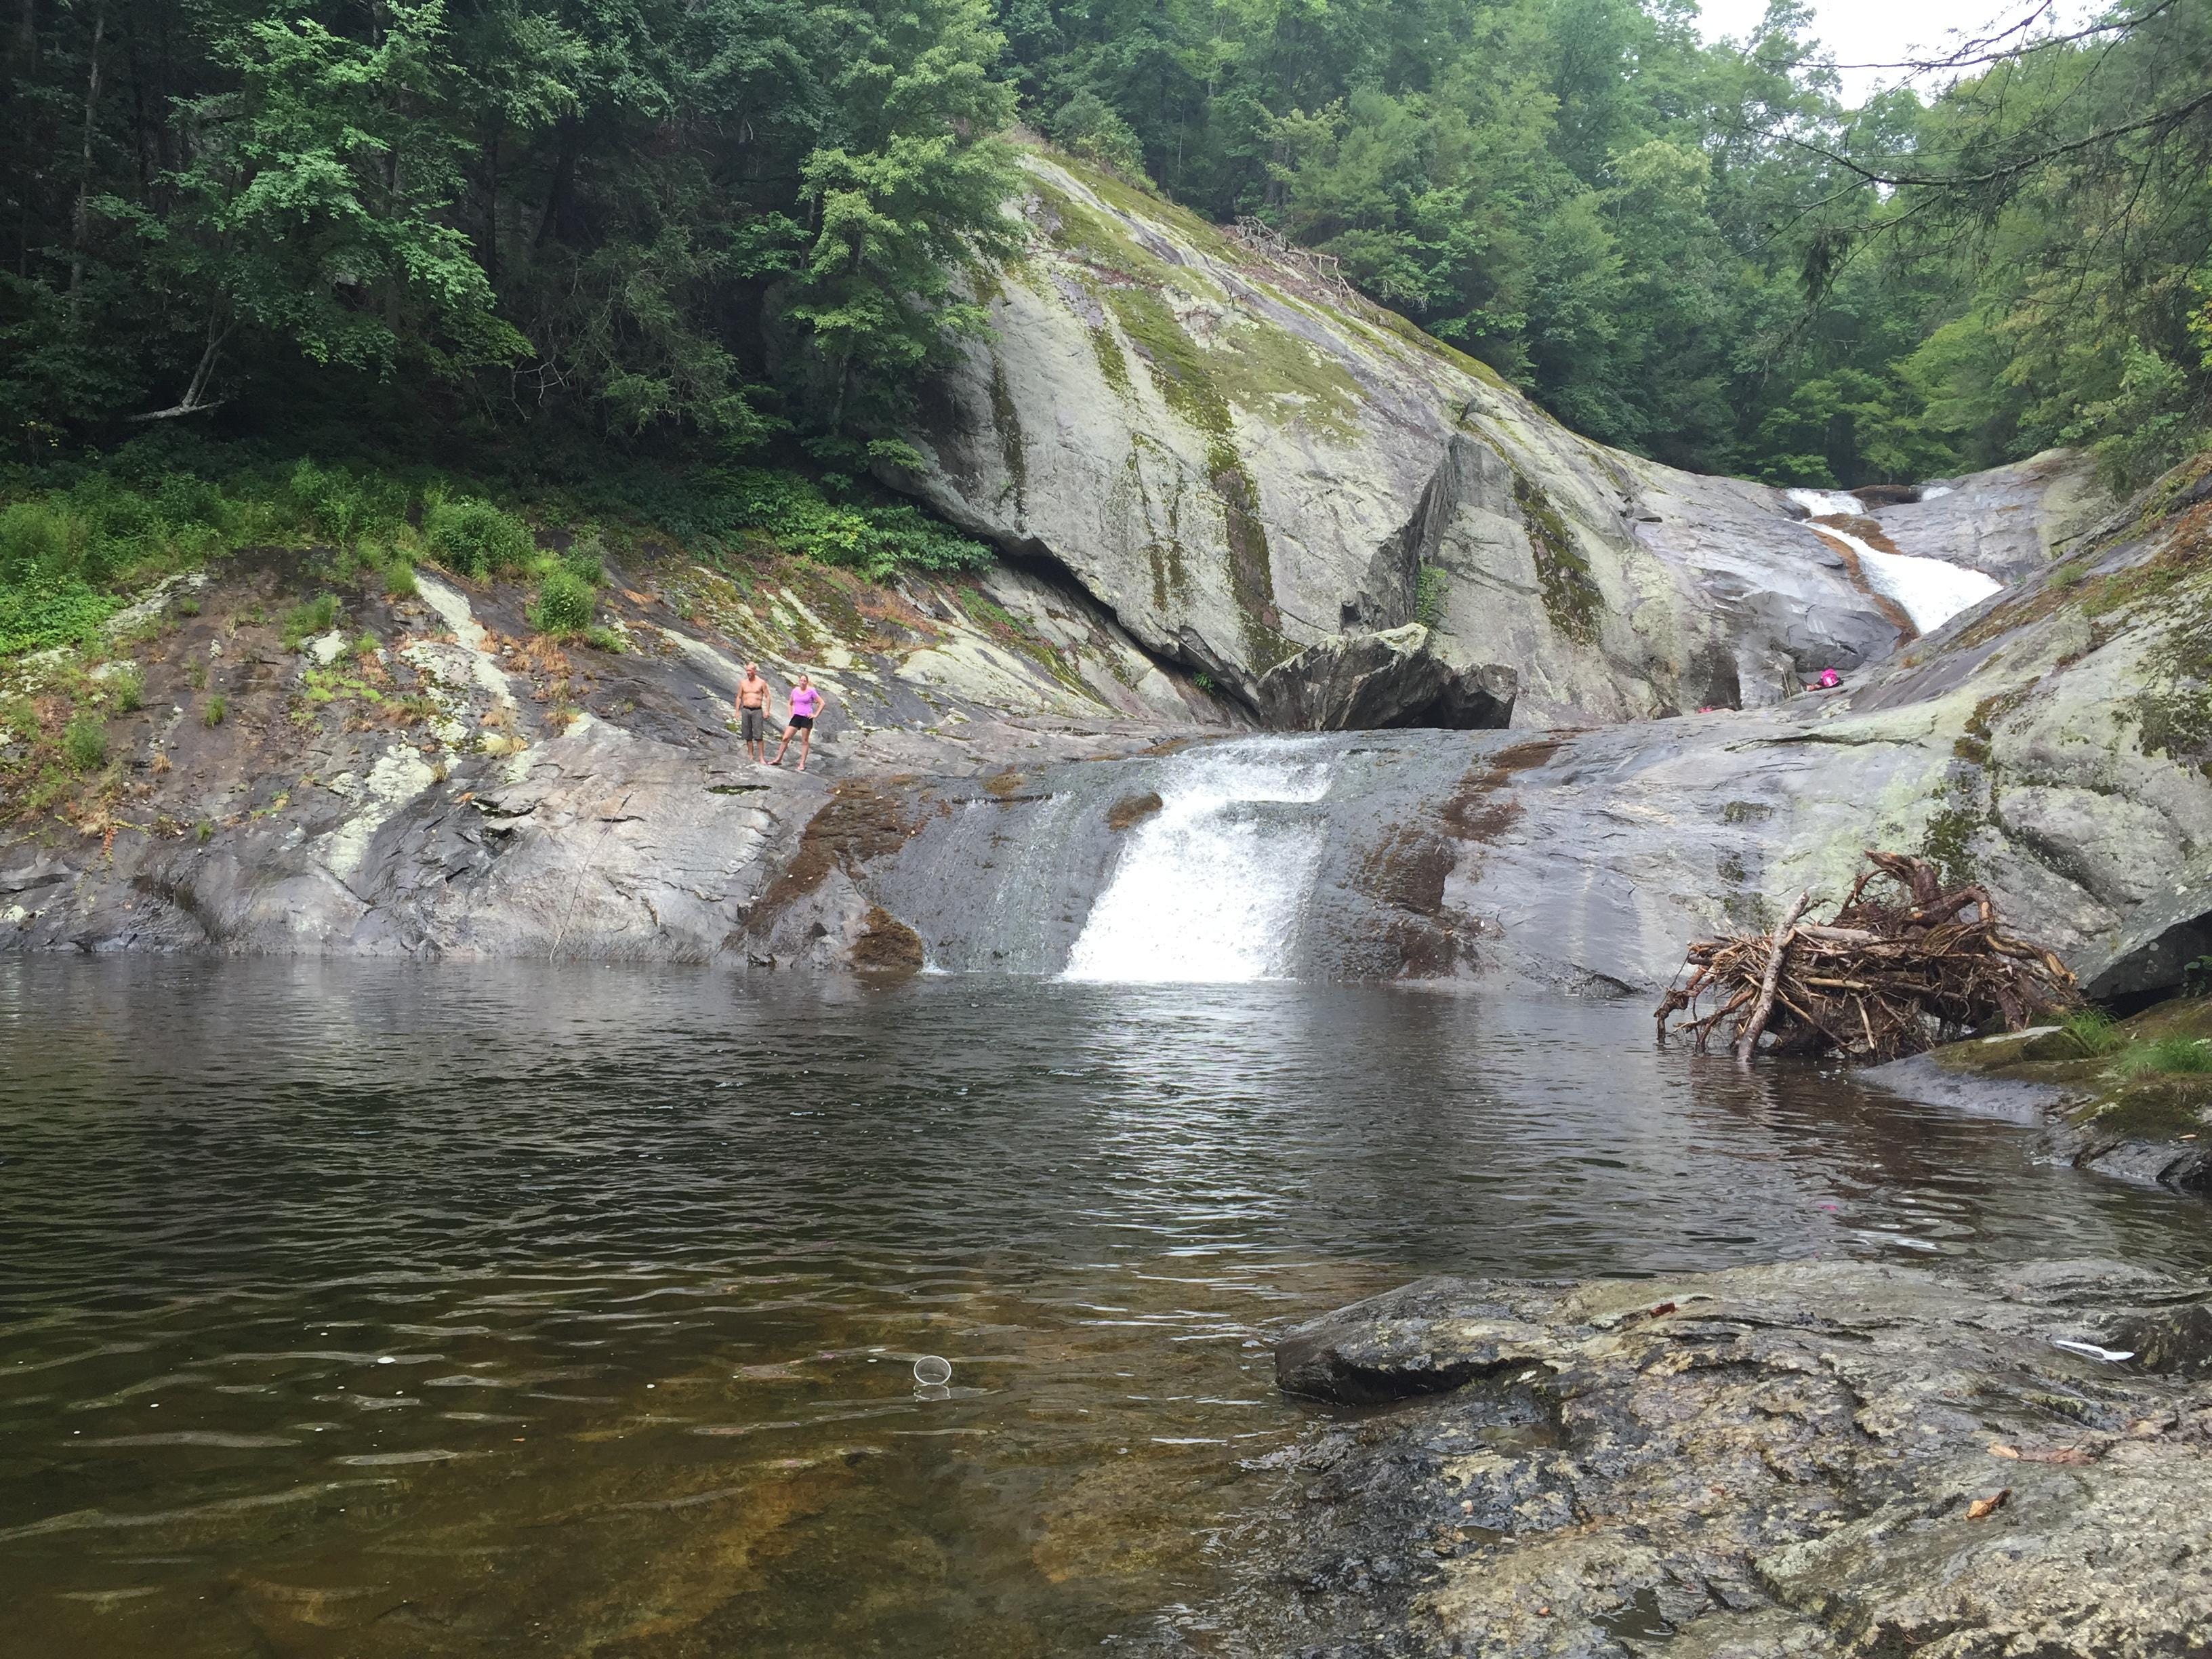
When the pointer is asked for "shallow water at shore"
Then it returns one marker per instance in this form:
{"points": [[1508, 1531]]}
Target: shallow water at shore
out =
{"points": [[368, 1309]]}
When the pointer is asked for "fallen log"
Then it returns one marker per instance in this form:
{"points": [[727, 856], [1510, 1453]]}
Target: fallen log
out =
{"points": [[1888, 975]]}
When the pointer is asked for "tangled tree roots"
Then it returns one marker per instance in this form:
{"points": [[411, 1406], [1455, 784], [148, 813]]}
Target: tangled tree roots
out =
{"points": [[1877, 981]]}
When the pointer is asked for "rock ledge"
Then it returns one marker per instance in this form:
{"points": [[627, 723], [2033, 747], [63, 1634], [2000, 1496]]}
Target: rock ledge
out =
{"points": [[1813, 1459]]}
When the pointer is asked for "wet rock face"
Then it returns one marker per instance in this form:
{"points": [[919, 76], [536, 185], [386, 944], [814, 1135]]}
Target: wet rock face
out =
{"points": [[2009, 522], [1772, 1461], [1241, 466]]}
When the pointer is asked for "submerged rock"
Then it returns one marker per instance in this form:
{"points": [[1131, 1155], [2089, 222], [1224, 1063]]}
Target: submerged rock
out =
{"points": [[1815, 1459]]}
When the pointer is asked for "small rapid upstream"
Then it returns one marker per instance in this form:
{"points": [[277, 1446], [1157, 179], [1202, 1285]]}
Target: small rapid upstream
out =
{"points": [[1930, 592]]}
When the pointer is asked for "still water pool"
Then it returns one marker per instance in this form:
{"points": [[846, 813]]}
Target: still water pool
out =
{"points": [[401, 1310]]}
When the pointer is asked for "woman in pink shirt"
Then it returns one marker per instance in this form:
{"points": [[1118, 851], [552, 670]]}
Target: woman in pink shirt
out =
{"points": [[805, 704]]}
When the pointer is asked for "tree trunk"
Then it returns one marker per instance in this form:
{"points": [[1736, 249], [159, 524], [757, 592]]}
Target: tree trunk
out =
{"points": [[556, 193], [194, 399], [491, 213], [80, 223]]}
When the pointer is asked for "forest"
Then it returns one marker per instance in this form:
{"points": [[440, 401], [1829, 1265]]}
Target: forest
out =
{"points": [[568, 236]]}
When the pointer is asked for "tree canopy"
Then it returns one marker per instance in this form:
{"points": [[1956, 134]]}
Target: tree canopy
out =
{"points": [[721, 223]]}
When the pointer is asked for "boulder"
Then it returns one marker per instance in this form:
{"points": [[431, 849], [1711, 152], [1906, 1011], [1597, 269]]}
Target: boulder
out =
{"points": [[1363, 682]]}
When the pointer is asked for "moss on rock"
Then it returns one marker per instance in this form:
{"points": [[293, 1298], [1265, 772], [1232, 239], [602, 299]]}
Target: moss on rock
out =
{"points": [[1570, 595], [1187, 383], [1006, 422]]}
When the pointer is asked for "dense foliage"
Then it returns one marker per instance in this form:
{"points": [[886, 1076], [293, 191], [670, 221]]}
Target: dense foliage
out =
{"points": [[696, 229], [80, 530], [706, 219], [1692, 251]]}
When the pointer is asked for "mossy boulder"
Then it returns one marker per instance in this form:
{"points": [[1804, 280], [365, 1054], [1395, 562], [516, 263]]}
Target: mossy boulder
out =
{"points": [[2114, 1108]]}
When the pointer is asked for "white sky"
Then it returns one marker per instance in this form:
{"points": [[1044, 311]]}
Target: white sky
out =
{"points": [[1882, 31]]}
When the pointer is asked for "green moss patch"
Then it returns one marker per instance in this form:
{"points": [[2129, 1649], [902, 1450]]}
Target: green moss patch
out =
{"points": [[1206, 239], [1255, 366], [1571, 599], [1113, 365], [1011, 631], [1006, 422], [1096, 238], [2172, 714], [1186, 382], [1949, 842]]}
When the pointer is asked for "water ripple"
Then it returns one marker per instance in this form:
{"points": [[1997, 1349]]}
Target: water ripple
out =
{"points": [[268, 1220]]}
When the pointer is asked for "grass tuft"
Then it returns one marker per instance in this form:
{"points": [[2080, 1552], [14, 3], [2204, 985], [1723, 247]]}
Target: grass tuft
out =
{"points": [[2096, 1030], [303, 622], [84, 743], [2171, 1057]]}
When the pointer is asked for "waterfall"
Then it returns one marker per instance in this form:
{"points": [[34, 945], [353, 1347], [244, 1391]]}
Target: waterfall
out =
{"points": [[1213, 887], [1829, 503], [1929, 591]]}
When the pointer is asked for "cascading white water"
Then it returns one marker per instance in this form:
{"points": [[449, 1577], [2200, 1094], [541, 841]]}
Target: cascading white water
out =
{"points": [[1929, 591], [1826, 503], [1210, 888]]}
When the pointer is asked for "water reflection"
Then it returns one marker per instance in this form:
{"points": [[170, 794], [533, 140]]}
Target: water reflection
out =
{"points": [[391, 1310]]}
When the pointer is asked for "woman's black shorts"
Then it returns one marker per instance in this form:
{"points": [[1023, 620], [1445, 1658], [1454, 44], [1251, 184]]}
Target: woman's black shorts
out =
{"points": [[800, 722]]}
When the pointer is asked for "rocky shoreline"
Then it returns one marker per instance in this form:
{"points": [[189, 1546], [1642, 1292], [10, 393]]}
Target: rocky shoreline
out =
{"points": [[2097, 1112], [1811, 1459]]}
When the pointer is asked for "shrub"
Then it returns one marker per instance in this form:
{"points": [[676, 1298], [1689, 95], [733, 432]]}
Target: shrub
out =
{"points": [[602, 638], [399, 580], [302, 622], [37, 535], [1090, 127], [365, 645], [50, 608], [345, 506], [2094, 1030], [587, 559], [212, 711], [127, 684], [203, 831], [564, 604], [475, 538], [84, 743]]}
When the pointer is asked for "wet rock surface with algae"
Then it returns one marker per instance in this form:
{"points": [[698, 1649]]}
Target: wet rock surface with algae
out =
{"points": [[1808, 1459]]}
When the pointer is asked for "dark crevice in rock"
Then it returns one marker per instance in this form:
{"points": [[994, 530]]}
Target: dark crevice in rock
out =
{"points": [[1371, 682], [2154, 968]]}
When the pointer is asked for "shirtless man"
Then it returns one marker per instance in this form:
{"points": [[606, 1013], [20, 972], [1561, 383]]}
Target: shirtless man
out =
{"points": [[754, 696], [805, 704]]}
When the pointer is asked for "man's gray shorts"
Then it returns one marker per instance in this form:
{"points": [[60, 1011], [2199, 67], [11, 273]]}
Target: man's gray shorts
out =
{"points": [[752, 725]]}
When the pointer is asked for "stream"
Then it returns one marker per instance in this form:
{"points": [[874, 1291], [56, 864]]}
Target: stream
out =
{"points": [[367, 1309]]}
